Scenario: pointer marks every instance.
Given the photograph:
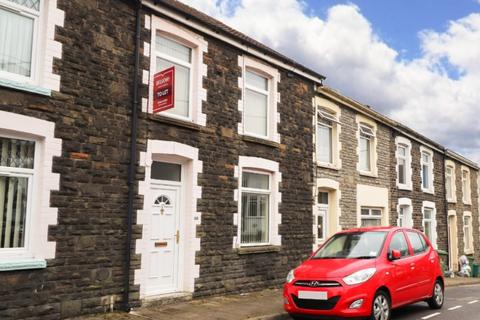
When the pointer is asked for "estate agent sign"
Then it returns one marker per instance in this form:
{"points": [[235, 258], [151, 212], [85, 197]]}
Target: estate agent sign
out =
{"points": [[164, 90]]}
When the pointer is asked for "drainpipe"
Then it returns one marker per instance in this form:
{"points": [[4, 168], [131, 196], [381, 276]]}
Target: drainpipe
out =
{"points": [[449, 241], [133, 158]]}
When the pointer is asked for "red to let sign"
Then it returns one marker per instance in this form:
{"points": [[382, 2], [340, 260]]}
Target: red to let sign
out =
{"points": [[164, 90]]}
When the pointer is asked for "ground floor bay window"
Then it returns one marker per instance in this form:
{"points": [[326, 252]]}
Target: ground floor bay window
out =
{"points": [[255, 207]]}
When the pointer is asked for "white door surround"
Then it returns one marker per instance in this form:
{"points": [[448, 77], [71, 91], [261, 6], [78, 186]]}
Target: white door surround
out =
{"points": [[185, 270]]}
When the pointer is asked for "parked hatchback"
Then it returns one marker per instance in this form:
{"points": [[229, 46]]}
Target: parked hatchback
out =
{"points": [[365, 273]]}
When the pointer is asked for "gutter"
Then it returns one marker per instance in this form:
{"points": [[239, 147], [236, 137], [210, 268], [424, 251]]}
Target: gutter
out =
{"points": [[133, 158]]}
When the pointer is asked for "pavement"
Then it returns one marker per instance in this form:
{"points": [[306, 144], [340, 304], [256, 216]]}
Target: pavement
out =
{"points": [[267, 305]]}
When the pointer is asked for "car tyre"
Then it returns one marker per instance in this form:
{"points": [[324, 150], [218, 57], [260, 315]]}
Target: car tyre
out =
{"points": [[381, 306], [438, 296]]}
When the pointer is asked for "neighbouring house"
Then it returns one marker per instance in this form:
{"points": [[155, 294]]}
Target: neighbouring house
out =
{"points": [[105, 205]]}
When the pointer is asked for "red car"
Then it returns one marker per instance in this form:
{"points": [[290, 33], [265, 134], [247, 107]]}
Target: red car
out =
{"points": [[365, 273]]}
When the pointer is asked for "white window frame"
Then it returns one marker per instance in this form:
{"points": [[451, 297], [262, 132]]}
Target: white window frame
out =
{"points": [[36, 16], [267, 192], [405, 143], [39, 213], [430, 164], [433, 220], [466, 186], [320, 213], [370, 216], [262, 166], [185, 37], [408, 216], [453, 199], [367, 127], [44, 49], [468, 236], [273, 76], [330, 112]]}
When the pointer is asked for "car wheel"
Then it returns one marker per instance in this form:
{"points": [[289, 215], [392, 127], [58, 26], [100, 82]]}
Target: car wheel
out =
{"points": [[381, 309], [436, 301]]}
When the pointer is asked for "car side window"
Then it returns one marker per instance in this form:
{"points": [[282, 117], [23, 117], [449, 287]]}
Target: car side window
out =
{"points": [[418, 244], [399, 243]]}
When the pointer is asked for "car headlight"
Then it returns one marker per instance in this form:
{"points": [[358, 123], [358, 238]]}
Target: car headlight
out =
{"points": [[290, 277], [359, 276]]}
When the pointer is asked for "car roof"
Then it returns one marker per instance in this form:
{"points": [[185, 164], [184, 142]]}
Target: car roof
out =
{"points": [[384, 228]]}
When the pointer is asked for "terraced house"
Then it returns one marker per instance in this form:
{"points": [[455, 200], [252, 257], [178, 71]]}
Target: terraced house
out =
{"points": [[106, 205]]}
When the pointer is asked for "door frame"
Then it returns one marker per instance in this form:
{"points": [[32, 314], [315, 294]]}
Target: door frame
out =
{"points": [[179, 254], [452, 240]]}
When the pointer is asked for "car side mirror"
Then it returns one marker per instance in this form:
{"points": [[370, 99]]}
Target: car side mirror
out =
{"points": [[394, 255]]}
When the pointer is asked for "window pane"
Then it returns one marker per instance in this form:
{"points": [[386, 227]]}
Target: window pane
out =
{"points": [[448, 182], [13, 210], [166, 171], [324, 143], [31, 4], [401, 171], [425, 157], [364, 154], [320, 227], [427, 214], [173, 49], [17, 153], [402, 151], [255, 180], [376, 212], [425, 177], [418, 245], [427, 229], [399, 243], [255, 209], [255, 113], [16, 34], [370, 222], [365, 212], [257, 81], [323, 197], [182, 87]]}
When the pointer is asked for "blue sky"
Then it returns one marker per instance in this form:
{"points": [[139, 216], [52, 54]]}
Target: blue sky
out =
{"points": [[415, 61], [398, 22]]}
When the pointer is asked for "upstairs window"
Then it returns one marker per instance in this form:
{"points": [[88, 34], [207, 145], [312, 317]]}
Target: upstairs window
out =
{"points": [[466, 196], [326, 136], [426, 170], [449, 181], [366, 141], [18, 37], [256, 104], [170, 53]]}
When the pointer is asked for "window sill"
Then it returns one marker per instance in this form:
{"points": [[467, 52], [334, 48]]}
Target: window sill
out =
{"points": [[428, 191], [175, 122], [451, 201], [23, 264], [260, 249], [22, 86], [467, 203], [368, 174], [261, 141], [404, 187], [327, 166]]}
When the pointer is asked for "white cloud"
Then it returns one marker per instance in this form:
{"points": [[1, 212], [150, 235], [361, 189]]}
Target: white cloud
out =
{"points": [[357, 62]]}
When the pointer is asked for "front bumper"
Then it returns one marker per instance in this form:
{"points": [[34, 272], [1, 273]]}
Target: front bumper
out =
{"points": [[339, 300]]}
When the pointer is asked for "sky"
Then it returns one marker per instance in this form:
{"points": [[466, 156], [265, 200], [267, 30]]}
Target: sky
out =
{"points": [[417, 61]]}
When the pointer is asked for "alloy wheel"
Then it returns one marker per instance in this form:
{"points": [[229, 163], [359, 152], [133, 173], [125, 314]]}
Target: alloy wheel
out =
{"points": [[438, 294], [381, 308]]}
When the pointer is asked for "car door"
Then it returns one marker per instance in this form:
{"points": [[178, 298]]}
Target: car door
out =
{"points": [[402, 282], [420, 264]]}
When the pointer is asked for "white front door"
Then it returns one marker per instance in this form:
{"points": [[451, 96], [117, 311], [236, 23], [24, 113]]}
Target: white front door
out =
{"points": [[321, 222], [164, 240]]}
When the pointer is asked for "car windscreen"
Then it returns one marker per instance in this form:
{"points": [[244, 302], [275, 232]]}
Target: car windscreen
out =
{"points": [[353, 245]]}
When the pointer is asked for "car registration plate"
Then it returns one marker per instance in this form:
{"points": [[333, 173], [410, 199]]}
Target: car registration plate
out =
{"points": [[313, 295]]}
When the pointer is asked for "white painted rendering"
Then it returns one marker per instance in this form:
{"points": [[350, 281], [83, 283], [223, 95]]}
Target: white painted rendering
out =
{"points": [[408, 177], [271, 167], [431, 205], [336, 131], [408, 216], [189, 243], [373, 152], [199, 47], [452, 240], [273, 117], [370, 196], [42, 215]]}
